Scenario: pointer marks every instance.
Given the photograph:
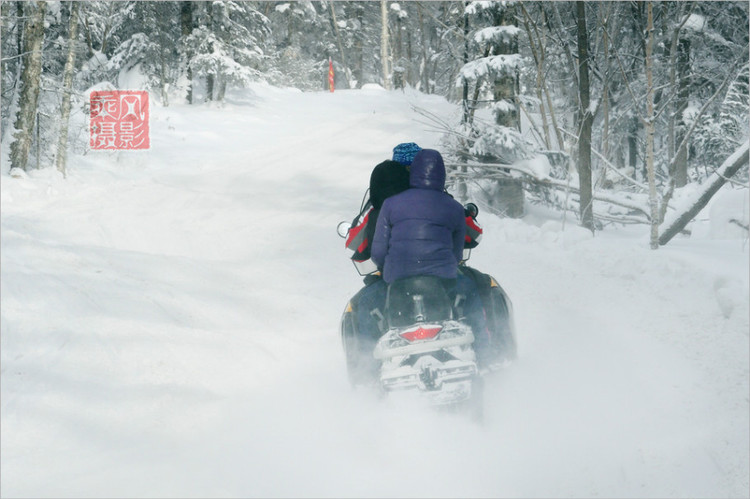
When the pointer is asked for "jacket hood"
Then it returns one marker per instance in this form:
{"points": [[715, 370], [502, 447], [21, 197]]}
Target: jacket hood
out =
{"points": [[427, 171]]}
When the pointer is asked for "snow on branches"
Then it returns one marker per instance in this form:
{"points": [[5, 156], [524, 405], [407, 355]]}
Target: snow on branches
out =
{"points": [[496, 34], [503, 143], [494, 67]]}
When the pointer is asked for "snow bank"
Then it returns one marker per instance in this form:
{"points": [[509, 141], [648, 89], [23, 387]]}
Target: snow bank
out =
{"points": [[728, 214]]}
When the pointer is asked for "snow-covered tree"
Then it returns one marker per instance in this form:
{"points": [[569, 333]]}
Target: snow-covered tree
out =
{"points": [[494, 75], [227, 45], [734, 118], [303, 35], [11, 44], [522, 89]]}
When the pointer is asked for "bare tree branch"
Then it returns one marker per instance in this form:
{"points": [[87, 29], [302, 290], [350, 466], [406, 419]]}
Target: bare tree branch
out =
{"points": [[731, 166]]}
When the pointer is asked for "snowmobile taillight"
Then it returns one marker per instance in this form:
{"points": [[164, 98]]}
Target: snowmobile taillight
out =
{"points": [[421, 333]]}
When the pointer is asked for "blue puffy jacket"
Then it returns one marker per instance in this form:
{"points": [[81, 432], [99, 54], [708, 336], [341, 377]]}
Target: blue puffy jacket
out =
{"points": [[420, 231]]}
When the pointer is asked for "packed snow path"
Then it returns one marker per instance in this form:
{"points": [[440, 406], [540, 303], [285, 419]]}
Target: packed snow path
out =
{"points": [[170, 328]]}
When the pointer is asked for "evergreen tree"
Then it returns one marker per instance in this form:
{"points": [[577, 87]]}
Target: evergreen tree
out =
{"points": [[494, 74], [523, 91], [227, 45]]}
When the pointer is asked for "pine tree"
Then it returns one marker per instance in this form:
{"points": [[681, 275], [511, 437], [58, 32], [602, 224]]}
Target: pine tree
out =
{"points": [[227, 45], [495, 73]]}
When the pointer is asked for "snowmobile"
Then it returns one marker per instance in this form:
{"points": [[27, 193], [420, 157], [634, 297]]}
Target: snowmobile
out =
{"points": [[424, 344]]}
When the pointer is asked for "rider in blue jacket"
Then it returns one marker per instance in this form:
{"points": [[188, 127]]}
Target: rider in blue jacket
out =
{"points": [[421, 230]]}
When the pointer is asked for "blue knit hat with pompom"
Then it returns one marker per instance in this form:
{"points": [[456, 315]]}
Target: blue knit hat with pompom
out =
{"points": [[404, 153]]}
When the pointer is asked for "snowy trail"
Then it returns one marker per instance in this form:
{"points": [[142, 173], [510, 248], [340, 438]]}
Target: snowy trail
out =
{"points": [[605, 386], [170, 328]]}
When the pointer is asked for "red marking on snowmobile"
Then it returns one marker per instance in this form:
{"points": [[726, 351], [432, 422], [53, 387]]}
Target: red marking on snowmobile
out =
{"points": [[421, 333]]}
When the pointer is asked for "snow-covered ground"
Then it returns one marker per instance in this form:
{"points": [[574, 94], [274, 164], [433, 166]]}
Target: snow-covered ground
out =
{"points": [[170, 329]]}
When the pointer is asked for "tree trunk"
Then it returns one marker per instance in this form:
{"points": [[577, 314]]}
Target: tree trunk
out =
{"points": [[683, 95], [586, 117], [210, 87], [186, 21], [19, 29], [465, 89], [605, 85], [731, 166], [424, 80], [89, 40], [163, 48], [537, 45], [384, 45], [222, 90], [508, 193], [359, 72], [398, 70], [673, 103], [210, 77], [62, 144], [163, 74], [561, 29], [410, 57], [30, 76], [461, 188], [652, 195], [633, 146], [107, 28], [342, 54]]}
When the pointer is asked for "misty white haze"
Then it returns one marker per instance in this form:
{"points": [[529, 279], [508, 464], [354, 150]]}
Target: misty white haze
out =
{"points": [[170, 317], [170, 327]]}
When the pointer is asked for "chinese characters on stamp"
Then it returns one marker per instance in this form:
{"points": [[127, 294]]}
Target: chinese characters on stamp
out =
{"points": [[119, 120]]}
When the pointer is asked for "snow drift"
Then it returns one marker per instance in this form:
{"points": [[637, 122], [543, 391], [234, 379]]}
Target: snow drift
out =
{"points": [[170, 328]]}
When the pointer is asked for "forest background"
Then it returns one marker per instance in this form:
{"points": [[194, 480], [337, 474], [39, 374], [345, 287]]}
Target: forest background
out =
{"points": [[621, 112]]}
